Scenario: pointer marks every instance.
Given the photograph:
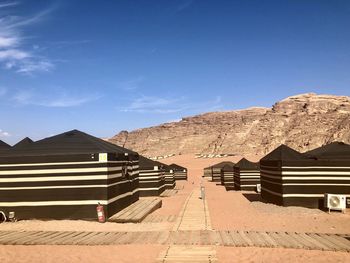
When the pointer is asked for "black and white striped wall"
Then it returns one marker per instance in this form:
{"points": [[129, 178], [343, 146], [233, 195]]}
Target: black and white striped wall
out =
{"points": [[169, 179], [67, 186], [304, 183], [151, 181], [246, 179]]}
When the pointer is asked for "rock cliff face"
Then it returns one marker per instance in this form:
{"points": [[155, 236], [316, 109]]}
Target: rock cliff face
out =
{"points": [[302, 122]]}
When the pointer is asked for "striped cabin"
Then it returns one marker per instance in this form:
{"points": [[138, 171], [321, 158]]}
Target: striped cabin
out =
{"points": [[66, 176], [23, 143], [169, 177], [4, 146], [216, 171], [246, 175], [207, 172], [151, 177], [180, 172], [290, 178], [227, 176]]}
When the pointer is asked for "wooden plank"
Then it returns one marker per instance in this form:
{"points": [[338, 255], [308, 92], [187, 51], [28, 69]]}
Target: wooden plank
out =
{"points": [[246, 238], [152, 237], [204, 237], [79, 240], [136, 208], [94, 240], [37, 240], [121, 238], [306, 244], [226, 238], [294, 243], [342, 243], [13, 236], [195, 238], [257, 239], [45, 239], [4, 233], [58, 238], [138, 217], [268, 239], [111, 238], [215, 238], [141, 207], [69, 240], [237, 239], [316, 243], [163, 238], [330, 245], [28, 238], [282, 242]]}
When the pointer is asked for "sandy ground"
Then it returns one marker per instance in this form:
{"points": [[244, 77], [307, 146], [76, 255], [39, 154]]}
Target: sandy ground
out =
{"points": [[228, 210], [86, 254], [279, 255]]}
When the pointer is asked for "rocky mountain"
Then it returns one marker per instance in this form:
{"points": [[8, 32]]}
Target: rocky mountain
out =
{"points": [[302, 122]]}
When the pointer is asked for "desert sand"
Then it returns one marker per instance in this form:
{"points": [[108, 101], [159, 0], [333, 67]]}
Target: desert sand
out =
{"points": [[228, 210]]}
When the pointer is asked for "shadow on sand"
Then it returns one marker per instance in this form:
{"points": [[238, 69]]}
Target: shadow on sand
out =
{"points": [[253, 197]]}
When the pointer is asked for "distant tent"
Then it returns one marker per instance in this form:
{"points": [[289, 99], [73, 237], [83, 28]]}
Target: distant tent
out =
{"points": [[66, 176], [180, 172], [23, 143], [207, 172], [169, 176], [291, 178], [334, 151], [227, 176], [246, 175], [216, 171], [151, 177], [4, 146]]}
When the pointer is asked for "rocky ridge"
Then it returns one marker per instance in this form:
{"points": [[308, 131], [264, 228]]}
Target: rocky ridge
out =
{"points": [[302, 122]]}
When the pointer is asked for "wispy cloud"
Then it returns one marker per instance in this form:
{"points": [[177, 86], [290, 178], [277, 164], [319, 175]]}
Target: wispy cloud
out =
{"points": [[59, 100], [184, 5], [13, 55], [4, 133], [152, 104], [2, 5], [3, 91], [131, 84]]}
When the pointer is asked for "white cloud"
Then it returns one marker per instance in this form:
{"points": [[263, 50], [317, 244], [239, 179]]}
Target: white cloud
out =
{"points": [[12, 54], [33, 65], [153, 104], [8, 41], [8, 4], [4, 133], [61, 100], [131, 84]]}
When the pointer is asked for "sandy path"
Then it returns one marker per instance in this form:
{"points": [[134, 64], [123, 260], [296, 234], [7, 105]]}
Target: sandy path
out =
{"points": [[86, 254], [279, 255]]}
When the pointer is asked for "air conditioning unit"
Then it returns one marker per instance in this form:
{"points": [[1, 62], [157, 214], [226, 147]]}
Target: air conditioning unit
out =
{"points": [[258, 188], [335, 202]]}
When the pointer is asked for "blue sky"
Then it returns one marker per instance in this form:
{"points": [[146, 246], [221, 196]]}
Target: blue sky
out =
{"points": [[107, 66]]}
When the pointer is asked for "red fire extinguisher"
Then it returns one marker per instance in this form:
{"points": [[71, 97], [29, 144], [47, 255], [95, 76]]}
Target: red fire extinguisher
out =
{"points": [[100, 213]]}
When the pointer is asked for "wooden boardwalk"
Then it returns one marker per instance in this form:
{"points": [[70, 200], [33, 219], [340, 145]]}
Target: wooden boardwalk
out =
{"points": [[194, 214], [137, 211], [314, 241], [188, 254]]}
